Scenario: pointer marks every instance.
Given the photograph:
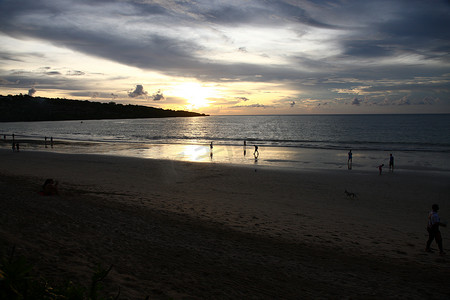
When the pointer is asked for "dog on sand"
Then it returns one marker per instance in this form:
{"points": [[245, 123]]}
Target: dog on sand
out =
{"points": [[350, 194]]}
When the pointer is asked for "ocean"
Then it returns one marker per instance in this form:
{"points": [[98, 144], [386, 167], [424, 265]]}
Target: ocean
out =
{"points": [[418, 142]]}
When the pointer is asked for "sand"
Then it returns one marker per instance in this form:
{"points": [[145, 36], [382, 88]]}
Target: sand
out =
{"points": [[179, 230]]}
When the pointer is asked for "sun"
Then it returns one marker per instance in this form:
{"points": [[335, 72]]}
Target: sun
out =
{"points": [[196, 94]]}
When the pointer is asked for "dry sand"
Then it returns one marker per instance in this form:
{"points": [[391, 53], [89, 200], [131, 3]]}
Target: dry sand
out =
{"points": [[209, 231]]}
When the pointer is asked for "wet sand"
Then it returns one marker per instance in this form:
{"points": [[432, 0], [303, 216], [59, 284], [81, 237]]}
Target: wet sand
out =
{"points": [[203, 230]]}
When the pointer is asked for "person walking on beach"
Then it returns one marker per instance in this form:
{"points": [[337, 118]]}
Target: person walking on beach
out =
{"points": [[350, 160], [391, 163], [433, 229], [256, 152]]}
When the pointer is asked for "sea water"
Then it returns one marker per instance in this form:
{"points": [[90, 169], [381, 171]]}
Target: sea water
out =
{"points": [[418, 142]]}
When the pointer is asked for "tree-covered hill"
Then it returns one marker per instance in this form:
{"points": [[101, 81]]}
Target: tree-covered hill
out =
{"points": [[26, 108]]}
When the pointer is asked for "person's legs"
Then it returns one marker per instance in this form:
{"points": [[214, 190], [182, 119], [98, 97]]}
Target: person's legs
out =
{"points": [[430, 239], [438, 238]]}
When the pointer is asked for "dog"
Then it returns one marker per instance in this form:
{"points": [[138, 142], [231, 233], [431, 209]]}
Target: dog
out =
{"points": [[350, 194]]}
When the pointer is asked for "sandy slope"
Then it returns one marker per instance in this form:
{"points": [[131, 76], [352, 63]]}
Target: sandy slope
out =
{"points": [[196, 231]]}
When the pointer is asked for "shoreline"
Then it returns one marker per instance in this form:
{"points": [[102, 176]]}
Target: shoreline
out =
{"points": [[182, 229], [277, 157]]}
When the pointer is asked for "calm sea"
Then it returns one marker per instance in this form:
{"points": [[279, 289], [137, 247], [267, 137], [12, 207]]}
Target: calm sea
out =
{"points": [[312, 141]]}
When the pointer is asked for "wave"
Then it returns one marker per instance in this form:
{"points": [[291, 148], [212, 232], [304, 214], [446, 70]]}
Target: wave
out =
{"points": [[356, 145]]}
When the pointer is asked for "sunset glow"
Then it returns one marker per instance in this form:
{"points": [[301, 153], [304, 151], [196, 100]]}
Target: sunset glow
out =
{"points": [[245, 57]]}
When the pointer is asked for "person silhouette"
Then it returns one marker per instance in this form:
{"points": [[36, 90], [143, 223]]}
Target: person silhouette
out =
{"points": [[256, 152], [433, 229], [391, 163], [350, 160], [211, 150], [380, 168]]}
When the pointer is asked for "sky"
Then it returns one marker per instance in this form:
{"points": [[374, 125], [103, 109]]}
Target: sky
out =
{"points": [[232, 57]]}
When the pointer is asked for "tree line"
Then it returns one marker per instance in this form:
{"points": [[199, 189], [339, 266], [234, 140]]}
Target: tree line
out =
{"points": [[23, 108]]}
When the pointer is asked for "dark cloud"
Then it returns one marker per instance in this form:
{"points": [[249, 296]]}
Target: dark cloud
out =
{"points": [[413, 27], [356, 102], [75, 73], [367, 38], [138, 91], [242, 98], [158, 96], [292, 104], [428, 101], [404, 101], [31, 91], [257, 105], [53, 73]]}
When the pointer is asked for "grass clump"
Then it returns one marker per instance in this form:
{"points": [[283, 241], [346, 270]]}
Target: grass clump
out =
{"points": [[17, 282]]}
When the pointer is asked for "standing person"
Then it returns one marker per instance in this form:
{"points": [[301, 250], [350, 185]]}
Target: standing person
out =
{"points": [[433, 229], [211, 150], [391, 163], [51, 141], [350, 160]]}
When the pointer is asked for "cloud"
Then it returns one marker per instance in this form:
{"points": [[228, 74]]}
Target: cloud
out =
{"points": [[31, 92], [428, 101], [356, 102], [292, 104], [404, 101], [257, 105], [75, 73], [314, 48], [138, 91], [158, 96], [242, 98], [53, 73]]}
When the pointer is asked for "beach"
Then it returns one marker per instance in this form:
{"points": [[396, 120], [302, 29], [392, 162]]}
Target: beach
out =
{"points": [[184, 230]]}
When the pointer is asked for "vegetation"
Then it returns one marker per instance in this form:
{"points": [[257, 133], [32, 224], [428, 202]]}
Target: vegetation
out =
{"points": [[26, 108], [18, 283]]}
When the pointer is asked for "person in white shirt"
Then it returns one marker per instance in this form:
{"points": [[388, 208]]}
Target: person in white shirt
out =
{"points": [[433, 229]]}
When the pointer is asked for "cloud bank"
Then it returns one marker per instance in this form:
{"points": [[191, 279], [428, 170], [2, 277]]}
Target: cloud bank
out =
{"points": [[317, 49]]}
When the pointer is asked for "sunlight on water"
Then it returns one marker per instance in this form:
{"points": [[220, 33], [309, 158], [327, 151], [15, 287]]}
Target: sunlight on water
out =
{"points": [[284, 141]]}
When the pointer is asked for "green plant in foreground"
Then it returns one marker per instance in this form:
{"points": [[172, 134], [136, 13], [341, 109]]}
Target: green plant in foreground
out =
{"points": [[17, 283]]}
